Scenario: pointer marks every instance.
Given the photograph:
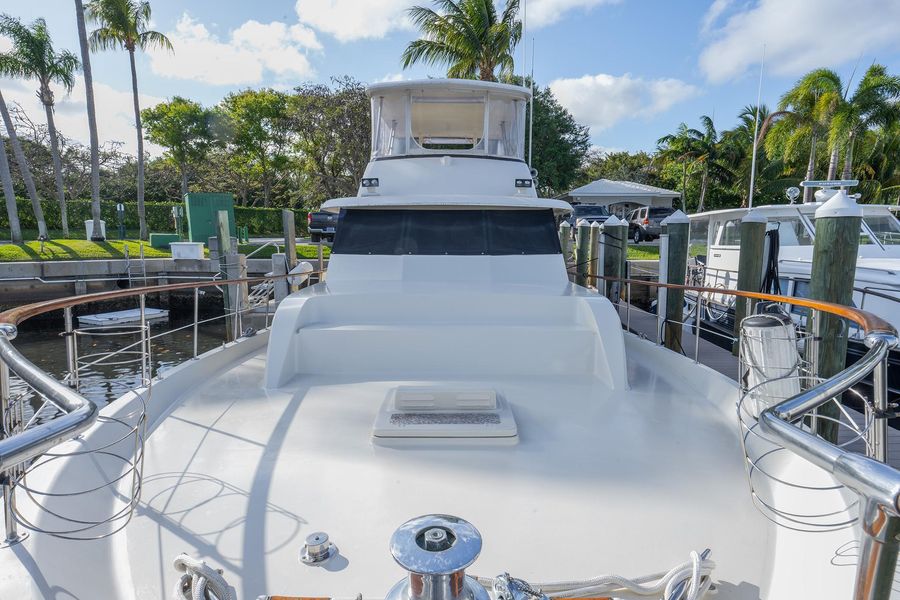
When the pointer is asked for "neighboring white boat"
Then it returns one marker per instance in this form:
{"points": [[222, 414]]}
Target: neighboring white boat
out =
{"points": [[446, 366], [715, 237]]}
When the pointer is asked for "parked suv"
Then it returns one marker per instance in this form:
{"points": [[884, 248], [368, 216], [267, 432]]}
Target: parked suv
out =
{"points": [[588, 212], [321, 224], [646, 223]]}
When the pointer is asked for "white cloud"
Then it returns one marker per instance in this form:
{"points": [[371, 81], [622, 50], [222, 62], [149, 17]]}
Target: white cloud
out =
{"points": [[251, 51], [349, 20], [712, 15], [115, 112], [392, 77], [799, 35], [547, 12], [603, 100]]}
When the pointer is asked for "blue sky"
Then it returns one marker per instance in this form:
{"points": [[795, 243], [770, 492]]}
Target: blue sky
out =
{"points": [[631, 69]]}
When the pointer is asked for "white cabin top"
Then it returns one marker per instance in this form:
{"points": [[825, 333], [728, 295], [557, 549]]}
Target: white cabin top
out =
{"points": [[879, 229], [440, 116]]}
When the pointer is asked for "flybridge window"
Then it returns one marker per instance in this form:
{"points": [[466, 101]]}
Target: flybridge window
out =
{"points": [[442, 121], [446, 232]]}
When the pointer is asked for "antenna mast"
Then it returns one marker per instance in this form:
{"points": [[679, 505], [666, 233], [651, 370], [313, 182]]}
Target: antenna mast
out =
{"points": [[531, 107], [524, 41], [762, 65]]}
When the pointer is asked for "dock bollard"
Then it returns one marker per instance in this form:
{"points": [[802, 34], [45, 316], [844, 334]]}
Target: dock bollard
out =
{"points": [[614, 240], [750, 268], [594, 243], [677, 226], [565, 241], [582, 251], [833, 273]]}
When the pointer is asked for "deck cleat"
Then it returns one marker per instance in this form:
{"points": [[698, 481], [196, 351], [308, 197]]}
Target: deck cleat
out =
{"points": [[317, 549]]}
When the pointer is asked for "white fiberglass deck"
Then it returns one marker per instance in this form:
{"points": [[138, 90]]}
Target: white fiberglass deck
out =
{"points": [[624, 482]]}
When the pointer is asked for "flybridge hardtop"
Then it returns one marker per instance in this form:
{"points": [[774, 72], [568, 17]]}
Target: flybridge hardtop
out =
{"points": [[442, 383]]}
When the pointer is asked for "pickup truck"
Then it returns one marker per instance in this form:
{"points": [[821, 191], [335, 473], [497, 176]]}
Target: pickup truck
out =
{"points": [[321, 225]]}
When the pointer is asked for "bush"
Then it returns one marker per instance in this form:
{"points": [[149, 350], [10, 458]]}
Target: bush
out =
{"points": [[261, 221]]}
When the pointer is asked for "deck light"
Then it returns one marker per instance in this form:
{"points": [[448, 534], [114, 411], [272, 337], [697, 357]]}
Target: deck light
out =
{"points": [[523, 183], [370, 182]]}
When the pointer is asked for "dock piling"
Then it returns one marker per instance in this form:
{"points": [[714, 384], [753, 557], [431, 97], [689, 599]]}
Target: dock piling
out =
{"points": [[677, 226], [582, 251], [833, 273], [614, 240]]}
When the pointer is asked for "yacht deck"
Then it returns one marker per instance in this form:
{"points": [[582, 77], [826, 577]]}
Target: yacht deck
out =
{"points": [[601, 481]]}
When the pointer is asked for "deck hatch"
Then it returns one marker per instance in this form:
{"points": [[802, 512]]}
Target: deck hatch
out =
{"points": [[444, 412]]}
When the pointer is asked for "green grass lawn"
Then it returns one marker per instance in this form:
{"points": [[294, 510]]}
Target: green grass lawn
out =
{"points": [[304, 251], [643, 252], [63, 249], [76, 250]]}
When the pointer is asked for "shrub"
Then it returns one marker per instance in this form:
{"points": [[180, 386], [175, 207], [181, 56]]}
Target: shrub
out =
{"points": [[261, 221]]}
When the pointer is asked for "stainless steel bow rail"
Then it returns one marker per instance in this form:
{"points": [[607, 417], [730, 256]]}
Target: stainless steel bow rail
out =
{"points": [[28, 443], [876, 483]]}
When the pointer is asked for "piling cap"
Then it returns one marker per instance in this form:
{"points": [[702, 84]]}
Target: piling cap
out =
{"points": [[754, 216], [581, 223], [676, 217], [565, 224], [612, 221], [840, 205], [595, 224]]}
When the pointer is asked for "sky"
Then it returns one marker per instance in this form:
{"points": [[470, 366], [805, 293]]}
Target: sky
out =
{"points": [[632, 70]]}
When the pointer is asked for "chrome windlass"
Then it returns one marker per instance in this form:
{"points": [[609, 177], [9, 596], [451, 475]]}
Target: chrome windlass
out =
{"points": [[435, 551]]}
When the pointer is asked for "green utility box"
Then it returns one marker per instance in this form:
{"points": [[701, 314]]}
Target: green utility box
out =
{"points": [[162, 240], [201, 211]]}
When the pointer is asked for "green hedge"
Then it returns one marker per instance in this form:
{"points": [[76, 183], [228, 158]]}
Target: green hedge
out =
{"points": [[260, 221]]}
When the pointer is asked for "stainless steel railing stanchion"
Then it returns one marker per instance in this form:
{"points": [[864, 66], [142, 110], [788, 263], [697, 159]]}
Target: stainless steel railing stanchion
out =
{"points": [[196, 318], [70, 347], [880, 424], [878, 549], [8, 429], [9, 510], [698, 302], [145, 342]]}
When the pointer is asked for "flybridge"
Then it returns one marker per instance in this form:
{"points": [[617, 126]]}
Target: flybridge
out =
{"points": [[448, 116]]}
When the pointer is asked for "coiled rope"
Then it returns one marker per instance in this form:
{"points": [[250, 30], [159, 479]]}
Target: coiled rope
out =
{"points": [[691, 576], [199, 581]]}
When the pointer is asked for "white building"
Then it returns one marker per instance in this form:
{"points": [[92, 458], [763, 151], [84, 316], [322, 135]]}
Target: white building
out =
{"points": [[621, 197]]}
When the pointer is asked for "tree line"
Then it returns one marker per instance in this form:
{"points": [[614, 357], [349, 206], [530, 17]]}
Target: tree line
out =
{"points": [[822, 128]]}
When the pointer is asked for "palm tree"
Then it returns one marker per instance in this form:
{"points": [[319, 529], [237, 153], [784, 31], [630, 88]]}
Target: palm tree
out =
{"points": [[39, 60], [11, 66], [871, 105], [468, 35], [96, 231], [123, 24], [804, 114], [677, 147], [12, 210], [702, 148]]}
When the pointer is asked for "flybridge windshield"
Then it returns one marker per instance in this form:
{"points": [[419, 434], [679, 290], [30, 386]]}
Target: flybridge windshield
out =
{"points": [[446, 232], [435, 122]]}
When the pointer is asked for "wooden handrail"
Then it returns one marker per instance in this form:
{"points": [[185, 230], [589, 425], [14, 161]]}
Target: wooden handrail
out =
{"points": [[869, 322], [17, 315]]}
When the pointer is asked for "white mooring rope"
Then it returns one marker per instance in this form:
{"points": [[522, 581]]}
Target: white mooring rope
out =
{"points": [[200, 581], [694, 574]]}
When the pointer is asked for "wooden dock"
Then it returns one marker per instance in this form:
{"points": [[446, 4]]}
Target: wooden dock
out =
{"points": [[646, 325]]}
